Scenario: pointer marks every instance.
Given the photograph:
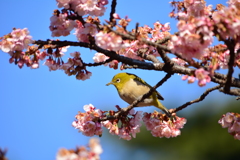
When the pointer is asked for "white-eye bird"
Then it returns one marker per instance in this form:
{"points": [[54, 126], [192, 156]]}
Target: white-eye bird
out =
{"points": [[130, 88]]}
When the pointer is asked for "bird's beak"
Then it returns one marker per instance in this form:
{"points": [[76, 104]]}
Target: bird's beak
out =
{"points": [[109, 83]]}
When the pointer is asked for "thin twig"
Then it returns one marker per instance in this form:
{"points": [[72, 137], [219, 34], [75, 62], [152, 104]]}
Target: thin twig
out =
{"points": [[113, 10], [136, 30], [142, 53], [3, 154], [190, 62], [198, 99]]}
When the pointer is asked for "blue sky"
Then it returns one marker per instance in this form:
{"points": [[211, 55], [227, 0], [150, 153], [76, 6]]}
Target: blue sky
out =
{"points": [[37, 107]]}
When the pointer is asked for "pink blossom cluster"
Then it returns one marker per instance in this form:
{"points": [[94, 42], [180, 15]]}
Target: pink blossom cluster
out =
{"points": [[194, 8], [19, 39], [128, 128], [54, 60], [190, 79], [201, 75], [84, 31], [83, 75], [16, 41], [73, 66], [236, 3], [227, 21], [87, 122], [30, 60], [109, 41], [60, 25], [158, 32], [99, 57], [232, 122], [84, 7], [193, 39], [128, 48], [91, 152], [217, 59], [220, 59], [161, 126]]}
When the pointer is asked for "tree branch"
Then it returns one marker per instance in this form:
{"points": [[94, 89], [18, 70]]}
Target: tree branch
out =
{"points": [[217, 77], [198, 99], [231, 46], [234, 92], [97, 64], [141, 53], [113, 10]]}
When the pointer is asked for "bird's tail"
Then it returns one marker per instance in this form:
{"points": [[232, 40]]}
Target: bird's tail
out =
{"points": [[164, 109]]}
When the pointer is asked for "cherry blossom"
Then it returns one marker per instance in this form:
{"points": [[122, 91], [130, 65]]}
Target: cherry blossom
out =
{"points": [[109, 41], [202, 76], [194, 38], [232, 122], [99, 57], [227, 21], [16, 41], [190, 79], [83, 75], [84, 7], [90, 152], [83, 31], [60, 25], [87, 122], [128, 127], [160, 126]]}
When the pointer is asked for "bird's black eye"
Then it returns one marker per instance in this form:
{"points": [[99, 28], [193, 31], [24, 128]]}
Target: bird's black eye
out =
{"points": [[118, 80]]}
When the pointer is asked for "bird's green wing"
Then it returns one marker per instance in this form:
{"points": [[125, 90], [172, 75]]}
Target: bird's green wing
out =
{"points": [[159, 96]]}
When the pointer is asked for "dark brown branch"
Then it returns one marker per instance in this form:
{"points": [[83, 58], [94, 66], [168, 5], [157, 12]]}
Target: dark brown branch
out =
{"points": [[234, 92], [217, 78], [76, 17], [190, 62], [3, 154], [97, 64], [136, 30], [113, 10], [164, 40], [164, 56], [231, 46], [198, 99], [160, 48], [141, 53]]}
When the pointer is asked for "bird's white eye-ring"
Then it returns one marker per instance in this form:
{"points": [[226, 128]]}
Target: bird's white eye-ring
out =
{"points": [[118, 80]]}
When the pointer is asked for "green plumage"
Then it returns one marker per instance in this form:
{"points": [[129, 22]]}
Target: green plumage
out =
{"points": [[130, 88]]}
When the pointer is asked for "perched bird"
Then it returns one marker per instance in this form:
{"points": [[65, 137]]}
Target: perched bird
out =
{"points": [[130, 88]]}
